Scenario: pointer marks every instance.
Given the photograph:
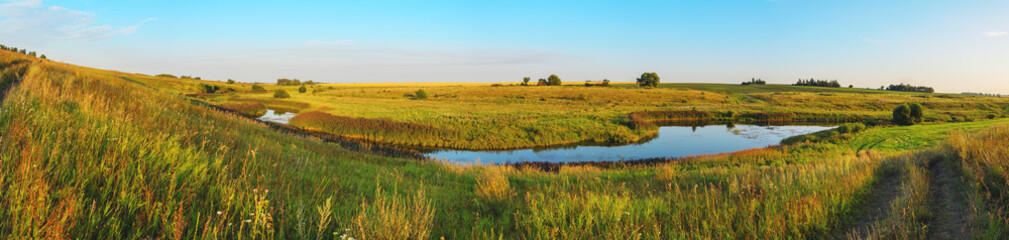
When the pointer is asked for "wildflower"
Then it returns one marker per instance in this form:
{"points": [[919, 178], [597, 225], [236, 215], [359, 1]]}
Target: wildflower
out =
{"points": [[229, 224], [255, 190], [218, 212], [247, 220]]}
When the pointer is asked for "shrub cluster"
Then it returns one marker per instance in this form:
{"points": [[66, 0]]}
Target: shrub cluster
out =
{"points": [[257, 88], [908, 114], [280, 93]]}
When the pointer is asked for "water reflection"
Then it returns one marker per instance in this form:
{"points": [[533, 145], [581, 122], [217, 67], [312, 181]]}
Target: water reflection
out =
{"points": [[277, 116]]}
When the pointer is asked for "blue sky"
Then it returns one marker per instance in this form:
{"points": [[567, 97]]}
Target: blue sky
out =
{"points": [[954, 46]]}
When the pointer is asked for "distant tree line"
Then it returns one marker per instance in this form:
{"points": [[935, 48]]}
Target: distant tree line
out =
{"points": [[604, 83], [755, 81], [648, 79], [982, 94], [292, 82], [817, 83], [22, 51], [910, 88]]}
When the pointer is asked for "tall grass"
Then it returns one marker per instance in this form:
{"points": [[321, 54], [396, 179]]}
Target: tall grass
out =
{"points": [[982, 158]]}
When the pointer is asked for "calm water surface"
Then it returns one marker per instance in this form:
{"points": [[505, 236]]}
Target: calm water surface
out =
{"points": [[277, 117], [672, 141]]}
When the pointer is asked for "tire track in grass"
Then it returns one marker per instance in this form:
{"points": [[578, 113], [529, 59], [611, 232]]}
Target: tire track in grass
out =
{"points": [[875, 208], [949, 205]]}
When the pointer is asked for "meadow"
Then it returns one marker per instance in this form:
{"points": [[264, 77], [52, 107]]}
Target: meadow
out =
{"points": [[89, 153], [502, 116]]}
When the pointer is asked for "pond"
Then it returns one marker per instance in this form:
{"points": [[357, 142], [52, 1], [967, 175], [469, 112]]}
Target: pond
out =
{"points": [[672, 141], [277, 116]]}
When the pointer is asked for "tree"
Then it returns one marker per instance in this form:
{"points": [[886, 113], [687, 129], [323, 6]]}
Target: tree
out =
{"points": [[606, 82], [902, 115], [230, 81], [553, 80], [302, 89], [525, 81], [279, 93], [43, 56], [257, 88], [542, 82], [420, 94], [917, 112], [649, 79]]}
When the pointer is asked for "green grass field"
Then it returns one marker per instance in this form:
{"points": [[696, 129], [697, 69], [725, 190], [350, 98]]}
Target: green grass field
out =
{"points": [[96, 154]]}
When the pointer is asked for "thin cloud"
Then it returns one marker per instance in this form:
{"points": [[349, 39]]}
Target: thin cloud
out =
{"points": [[996, 33], [873, 41], [31, 20], [337, 42], [105, 31]]}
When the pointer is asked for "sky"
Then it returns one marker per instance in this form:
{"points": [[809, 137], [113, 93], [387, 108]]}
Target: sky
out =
{"points": [[954, 46]]}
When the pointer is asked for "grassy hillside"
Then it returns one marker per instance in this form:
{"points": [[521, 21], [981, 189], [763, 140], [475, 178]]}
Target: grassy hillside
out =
{"points": [[87, 153], [482, 116]]}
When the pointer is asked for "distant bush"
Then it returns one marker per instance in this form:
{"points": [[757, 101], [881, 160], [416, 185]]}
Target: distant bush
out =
{"points": [[542, 82], [606, 82], [280, 93], [420, 94], [648, 79], [231, 81], [755, 81], [207, 88], [257, 88], [302, 89], [917, 112], [186, 77], [902, 115], [166, 75], [525, 81], [553, 80], [43, 56]]}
